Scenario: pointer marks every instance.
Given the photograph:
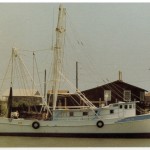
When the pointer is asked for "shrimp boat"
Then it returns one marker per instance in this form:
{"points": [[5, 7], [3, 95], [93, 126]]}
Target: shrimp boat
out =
{"points": [[114, 120]]}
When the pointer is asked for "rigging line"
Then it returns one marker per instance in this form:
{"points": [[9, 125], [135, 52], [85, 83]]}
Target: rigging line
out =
{"points": [[112, 89], [121, 96], [19, 77], [38, 75], [3, 80], [50, 77], [73, 29], [25, 68], [50, 73], [108, 86], [24, 80], [74, 100], [27, 92], [44, 60], [123, 90], [88, 57], [131, 92], [78, 93], [68, 39], [53, 29], [66, 58], [114, 85], [91, 63], [81, 53], [24, 77]]}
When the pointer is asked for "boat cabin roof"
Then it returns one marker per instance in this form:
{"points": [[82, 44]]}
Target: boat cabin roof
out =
{"points": [[120, 103]]}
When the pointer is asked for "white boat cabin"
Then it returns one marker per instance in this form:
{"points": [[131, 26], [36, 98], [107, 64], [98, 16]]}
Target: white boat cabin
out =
{"points": [[119, 110], [116, 110]]}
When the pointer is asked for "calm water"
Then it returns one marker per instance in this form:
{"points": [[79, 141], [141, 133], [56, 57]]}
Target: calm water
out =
{"points": [[7, 141]]}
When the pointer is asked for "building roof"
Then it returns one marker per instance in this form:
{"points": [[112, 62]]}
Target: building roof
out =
{"points": [[22, 92], [115, 82]]}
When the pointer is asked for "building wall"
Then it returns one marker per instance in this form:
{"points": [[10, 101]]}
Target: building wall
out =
{"points": [[117, 92]]}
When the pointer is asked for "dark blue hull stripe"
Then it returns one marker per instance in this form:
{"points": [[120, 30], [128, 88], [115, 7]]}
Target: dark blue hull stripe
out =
{"points": [[135, 118]]}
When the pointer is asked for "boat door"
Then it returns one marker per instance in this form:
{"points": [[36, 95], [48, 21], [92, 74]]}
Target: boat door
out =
{"points": [[121, 110]]}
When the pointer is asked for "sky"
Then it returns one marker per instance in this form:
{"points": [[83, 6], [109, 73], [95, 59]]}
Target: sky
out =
{"points": [[103, 37]]}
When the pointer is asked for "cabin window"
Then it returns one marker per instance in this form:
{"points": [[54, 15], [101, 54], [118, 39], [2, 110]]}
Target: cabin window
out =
{"points": [[96, 112], [120, 106], [71, 114], [85, 113], [142, 96], [107, 95], [111, 111], [127, 95], [130, 106], [126, 106]]}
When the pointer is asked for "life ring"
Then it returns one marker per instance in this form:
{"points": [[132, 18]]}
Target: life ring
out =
{"points": [[100, 124], [35, 125]]}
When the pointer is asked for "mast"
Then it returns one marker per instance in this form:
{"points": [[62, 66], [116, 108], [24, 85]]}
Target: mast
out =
{"points": [[58, 54]]}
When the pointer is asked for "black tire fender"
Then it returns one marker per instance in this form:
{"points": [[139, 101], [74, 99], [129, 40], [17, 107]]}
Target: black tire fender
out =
{"points": [[35, 125], [100, 124]]}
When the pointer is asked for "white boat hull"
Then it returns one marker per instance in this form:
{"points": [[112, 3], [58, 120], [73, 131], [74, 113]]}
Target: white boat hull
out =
{"points": [[132, 126]]}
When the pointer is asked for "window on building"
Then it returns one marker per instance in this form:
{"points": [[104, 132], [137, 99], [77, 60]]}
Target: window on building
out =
{"points": [[126, 106], [142, 94], [107, 95], [130, 106], [127, 95], [71, 114], [120, 106], [96, 112], [85, 113], [111, 111]]}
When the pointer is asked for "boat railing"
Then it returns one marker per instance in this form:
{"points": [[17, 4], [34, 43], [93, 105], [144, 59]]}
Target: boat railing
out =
{"points": [[72, 107]]}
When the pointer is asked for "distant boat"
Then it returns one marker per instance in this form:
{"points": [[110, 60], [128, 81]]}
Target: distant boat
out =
{"points": [[115, 120]]}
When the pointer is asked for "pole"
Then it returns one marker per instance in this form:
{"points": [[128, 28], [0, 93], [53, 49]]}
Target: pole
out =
{"points": [[76, 75], [45, 84], [9, 103]]}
